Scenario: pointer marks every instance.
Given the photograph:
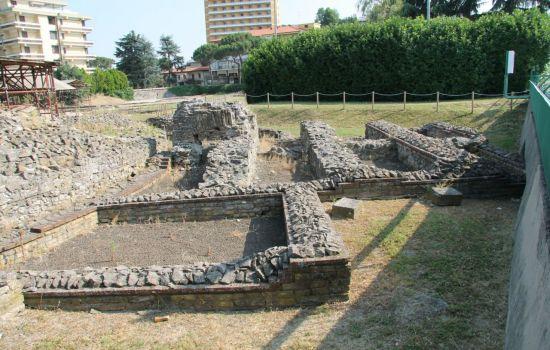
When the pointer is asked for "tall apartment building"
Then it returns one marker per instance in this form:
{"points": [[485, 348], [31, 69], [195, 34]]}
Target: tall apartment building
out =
{"points": [[44, 30], [224, 17]]}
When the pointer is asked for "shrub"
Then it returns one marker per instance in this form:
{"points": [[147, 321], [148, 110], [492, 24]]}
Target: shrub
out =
{"points": [[111, 82], [451, 55], [190, 90]]}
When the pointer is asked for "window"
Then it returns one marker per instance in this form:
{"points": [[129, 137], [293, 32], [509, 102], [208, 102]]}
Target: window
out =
{"points": [[24, 34], [84, 23], [51, 20], [27, 49], [84, 36], [86, 50], [62, 35], [13, 2], [64, 50], [55, 49], [21, 18], [53, 35]]}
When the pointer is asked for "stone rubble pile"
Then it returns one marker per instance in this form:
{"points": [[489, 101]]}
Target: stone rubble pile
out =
{"points": [[264, 266], [310, 230], [44, 164]]}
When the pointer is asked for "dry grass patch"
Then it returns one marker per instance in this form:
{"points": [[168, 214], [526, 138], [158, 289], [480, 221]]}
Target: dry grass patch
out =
{"points": [[405, 254]]}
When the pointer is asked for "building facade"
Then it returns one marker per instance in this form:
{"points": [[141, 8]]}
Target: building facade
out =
{"points": [[44, 30], [224, 17]]}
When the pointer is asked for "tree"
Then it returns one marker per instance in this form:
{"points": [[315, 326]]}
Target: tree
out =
{"points": [[511, 5], [385, 9], [205, 54], [350, 19], [169, 54], [102, 63], [111, 82], [327, 16], [138, 60], [382, 9], [235, 47], [67, 71]]}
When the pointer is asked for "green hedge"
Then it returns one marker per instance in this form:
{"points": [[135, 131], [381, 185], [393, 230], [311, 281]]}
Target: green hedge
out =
{"points": [[451, 55], [111, 82], [191, 90]]}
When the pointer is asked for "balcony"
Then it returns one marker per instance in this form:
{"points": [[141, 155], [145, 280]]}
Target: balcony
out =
{"points": [[78, 56], [77, 42], [221, 12], [243, 3], [237, 18], [75, 29], [28, 56], [20, 25], [255, 24], [21, 40]]}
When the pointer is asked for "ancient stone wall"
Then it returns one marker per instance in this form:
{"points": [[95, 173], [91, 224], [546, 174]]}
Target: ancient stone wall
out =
{"points": [[373, 149], [325, 154], [46, 165], [11, 298], [227, 132]]}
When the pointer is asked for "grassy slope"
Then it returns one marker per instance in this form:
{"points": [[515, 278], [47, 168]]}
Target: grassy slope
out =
{"points": [[397, 247], [491, 116]]}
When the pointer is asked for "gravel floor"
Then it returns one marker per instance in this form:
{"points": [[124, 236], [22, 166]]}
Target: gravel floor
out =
{"points": [[390, 164], [269, 171], [164, 244]]}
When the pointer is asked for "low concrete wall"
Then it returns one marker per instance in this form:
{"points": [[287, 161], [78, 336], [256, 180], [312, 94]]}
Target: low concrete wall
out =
{"points": [[528, 325], [217, 208], [152, 94]]}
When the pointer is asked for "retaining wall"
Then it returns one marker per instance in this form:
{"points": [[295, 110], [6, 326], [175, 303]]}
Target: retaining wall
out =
{"points": [[152, 94]]}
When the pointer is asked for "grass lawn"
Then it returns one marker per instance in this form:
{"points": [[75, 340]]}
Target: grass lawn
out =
{"points": [[400, 250], [491, 116]]}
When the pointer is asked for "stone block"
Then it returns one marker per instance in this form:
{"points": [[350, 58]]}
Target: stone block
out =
{"points": [[445, 196], [345, 208]]}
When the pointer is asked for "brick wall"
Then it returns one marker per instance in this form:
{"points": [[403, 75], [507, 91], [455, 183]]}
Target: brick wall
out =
{"points": [[202, 209]]}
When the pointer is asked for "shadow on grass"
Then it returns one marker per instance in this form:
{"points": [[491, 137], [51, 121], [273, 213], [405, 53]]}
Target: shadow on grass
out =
{"points": [[455, 257]]}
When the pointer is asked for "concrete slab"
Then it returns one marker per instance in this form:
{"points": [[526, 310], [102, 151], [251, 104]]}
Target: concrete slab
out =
{"points": [[345, 208], [445, 196]]}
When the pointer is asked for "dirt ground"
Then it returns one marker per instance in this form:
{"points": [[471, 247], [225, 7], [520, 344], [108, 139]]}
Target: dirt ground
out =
{"points": [[400, 249], [269, 171], [164, 244]]}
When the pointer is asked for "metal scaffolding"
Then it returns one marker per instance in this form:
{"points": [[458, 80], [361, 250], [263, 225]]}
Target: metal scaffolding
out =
{"points": [[26, 81]]}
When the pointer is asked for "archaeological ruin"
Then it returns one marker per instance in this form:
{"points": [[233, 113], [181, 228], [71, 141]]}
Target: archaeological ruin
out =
{"points": [[229, 216]]}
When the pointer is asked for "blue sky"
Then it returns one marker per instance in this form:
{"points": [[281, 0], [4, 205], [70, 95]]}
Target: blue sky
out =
{"points": [[184, 19]]}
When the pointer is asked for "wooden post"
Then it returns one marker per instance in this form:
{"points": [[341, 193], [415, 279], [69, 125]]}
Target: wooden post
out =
{"points": [[437, 103], [373, 101], [344, 99], [404, 100], [292, 97], [317, 93], [268, 101], [473, 100]]}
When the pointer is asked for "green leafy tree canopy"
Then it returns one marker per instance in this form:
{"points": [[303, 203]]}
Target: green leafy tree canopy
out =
{"points": [[138, 61], [67, 71], [102, 63], [327, 16]]}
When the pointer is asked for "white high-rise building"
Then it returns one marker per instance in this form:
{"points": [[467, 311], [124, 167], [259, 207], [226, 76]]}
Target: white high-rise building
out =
{"points": [[44, 30], [224, 17]]}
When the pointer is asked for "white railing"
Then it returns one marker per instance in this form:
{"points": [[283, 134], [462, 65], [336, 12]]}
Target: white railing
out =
{"points": [[225, 4], [221, 19]]}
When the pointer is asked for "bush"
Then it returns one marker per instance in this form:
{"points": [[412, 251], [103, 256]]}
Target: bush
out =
{"points": [[111, 82], [451, 55], [190, 90]]}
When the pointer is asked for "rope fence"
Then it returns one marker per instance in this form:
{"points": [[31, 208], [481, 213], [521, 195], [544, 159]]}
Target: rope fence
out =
{"points": [[438, 95]]}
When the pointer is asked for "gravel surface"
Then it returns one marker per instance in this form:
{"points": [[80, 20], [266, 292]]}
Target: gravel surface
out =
{"points": [[164, 244], [269, 171], [389, 164]]}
